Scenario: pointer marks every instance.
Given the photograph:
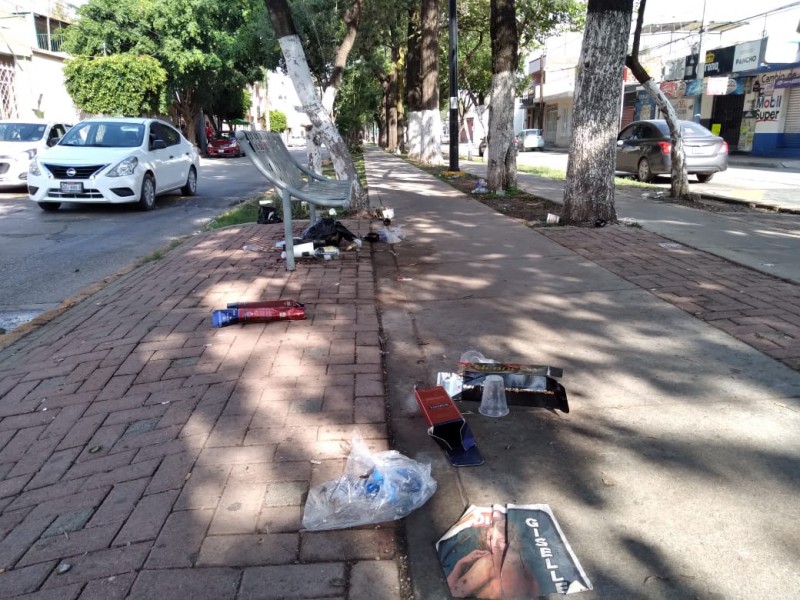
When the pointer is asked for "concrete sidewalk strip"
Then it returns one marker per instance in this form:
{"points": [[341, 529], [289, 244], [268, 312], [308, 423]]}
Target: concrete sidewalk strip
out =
{"points": [[153, 454], [682, 437]]}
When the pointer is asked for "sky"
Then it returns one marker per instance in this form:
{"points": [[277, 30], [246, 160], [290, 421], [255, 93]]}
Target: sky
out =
{"points": [[781, 28]]}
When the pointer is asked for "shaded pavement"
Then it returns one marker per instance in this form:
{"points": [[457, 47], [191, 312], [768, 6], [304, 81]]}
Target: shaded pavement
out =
{"points": [[145, 454]]}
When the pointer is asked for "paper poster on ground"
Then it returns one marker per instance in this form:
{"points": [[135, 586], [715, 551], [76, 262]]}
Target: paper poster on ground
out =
{"points": [[509, 552]]}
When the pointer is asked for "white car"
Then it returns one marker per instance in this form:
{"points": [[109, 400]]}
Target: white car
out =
{"points": [[114, 160], [20, 141]]}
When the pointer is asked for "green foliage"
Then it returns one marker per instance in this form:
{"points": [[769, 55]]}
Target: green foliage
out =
{"points": [[536, 21], [355, 105], [120, 84], [277, 121], [209, 49]]}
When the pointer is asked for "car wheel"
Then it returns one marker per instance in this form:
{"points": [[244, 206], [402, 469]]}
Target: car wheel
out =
{"points": [[704, 177], [49, 206], [147, 200], [190, 189], [643, 172]]}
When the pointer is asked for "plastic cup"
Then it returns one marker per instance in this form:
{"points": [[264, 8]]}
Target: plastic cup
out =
{"points": [[471, 356], [493, 401]]}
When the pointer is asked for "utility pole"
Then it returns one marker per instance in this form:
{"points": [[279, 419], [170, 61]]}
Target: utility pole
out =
{"points": [[453, 87]]}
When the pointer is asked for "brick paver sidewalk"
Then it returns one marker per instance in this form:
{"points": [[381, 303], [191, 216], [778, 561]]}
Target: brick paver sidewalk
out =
{"points": [[144, 453], [758, 309]]}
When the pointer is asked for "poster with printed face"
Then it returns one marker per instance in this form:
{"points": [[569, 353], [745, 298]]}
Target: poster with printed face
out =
{"points": [[509, 552]]}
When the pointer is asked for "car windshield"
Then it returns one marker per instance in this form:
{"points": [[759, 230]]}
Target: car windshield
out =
{"points": [[21, 132], [105, 134]]}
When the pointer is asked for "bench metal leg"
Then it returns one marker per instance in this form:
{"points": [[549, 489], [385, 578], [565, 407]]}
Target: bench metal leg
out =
{"points": [[287, 230]]}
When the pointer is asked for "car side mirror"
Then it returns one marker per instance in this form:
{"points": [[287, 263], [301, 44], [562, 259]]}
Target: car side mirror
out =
{"points": [[52, 141], [158, 145]]}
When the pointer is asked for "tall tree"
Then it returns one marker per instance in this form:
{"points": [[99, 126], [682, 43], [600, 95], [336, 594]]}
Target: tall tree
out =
{"points": [[425, 123], [502, 153], [533, 22], [679, 187], [202, 45], [589, 189], [300, 74]]}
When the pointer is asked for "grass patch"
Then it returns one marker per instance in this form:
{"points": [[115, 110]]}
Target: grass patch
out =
{"points": [[244, 212]]}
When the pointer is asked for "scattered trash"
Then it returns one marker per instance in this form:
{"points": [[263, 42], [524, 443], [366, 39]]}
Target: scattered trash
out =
{"points": [[670, 245], [95, 449], [513, 551], [448, 427], [405, 279], [600, 223], [375, 487], [63, 568], [267, 215], [258, 312], [493, 398], [767, 264], [654, 194], [372, 237], [327, 232], [552, 219], [252, 248], [525, 385], [480, 187], [391, 235]]}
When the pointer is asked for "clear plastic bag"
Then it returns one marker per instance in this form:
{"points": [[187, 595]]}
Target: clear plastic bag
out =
{"points": [[378, 487]]}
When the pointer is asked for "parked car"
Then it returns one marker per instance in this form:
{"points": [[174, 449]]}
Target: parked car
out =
{"points": [[20, 141], [114, 160], [529, 139], [482, 147], [224, 144], [644, 147]]}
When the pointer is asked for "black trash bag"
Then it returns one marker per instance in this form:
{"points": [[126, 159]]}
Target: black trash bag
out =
{"points": [[267, 214], [327, 232]]}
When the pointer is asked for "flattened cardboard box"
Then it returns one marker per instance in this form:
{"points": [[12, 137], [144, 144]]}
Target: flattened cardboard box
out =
{"points": [[525, 385]]}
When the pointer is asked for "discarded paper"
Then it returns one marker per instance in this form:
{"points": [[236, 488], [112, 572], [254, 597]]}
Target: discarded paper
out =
{"points": [[506, 552]]}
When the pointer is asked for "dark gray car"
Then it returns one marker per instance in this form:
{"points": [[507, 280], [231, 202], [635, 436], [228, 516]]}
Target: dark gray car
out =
{"points": [[643, 148]]}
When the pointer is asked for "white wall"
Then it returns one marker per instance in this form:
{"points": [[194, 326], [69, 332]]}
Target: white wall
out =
{"points": [[44, 79]]}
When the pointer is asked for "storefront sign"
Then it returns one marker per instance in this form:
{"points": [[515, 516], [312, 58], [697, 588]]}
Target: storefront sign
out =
{"points": [[673, 89], [788, 79], [748, 56], [717, 86], [719, 61], [768, 108]]}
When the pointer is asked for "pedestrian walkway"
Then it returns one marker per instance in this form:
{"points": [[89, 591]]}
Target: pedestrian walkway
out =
{"points": [[144, 454], [155, 456]]}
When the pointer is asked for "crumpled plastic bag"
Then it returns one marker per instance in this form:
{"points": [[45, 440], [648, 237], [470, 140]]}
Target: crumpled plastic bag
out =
{"points": [[375, 487]]}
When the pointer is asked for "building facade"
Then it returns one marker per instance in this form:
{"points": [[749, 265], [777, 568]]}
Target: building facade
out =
{"points": [[32, 68], [754, 104]]}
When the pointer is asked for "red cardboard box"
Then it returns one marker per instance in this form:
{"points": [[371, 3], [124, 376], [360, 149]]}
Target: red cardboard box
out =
{"points": [[447, 426]]}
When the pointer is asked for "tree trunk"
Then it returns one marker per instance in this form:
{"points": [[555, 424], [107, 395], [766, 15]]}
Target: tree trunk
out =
{"points": [[501, 164], [391, 102], [300, 74], [679, 186], [352, 20], [589, 189], [425, 124]]}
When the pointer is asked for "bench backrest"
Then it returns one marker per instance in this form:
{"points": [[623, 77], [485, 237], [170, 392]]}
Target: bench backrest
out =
{"points": [[269, 147]]}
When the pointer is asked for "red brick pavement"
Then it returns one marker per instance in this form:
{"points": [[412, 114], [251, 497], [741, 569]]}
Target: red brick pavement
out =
{"points": [[157, 456], [758, 309]]}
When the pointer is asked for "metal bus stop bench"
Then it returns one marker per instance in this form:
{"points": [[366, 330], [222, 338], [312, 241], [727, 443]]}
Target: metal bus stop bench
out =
{"points": [[269, 155]]}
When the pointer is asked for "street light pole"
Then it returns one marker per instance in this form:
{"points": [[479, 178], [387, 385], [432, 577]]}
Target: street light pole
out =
{"points": [[453, 87]]}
